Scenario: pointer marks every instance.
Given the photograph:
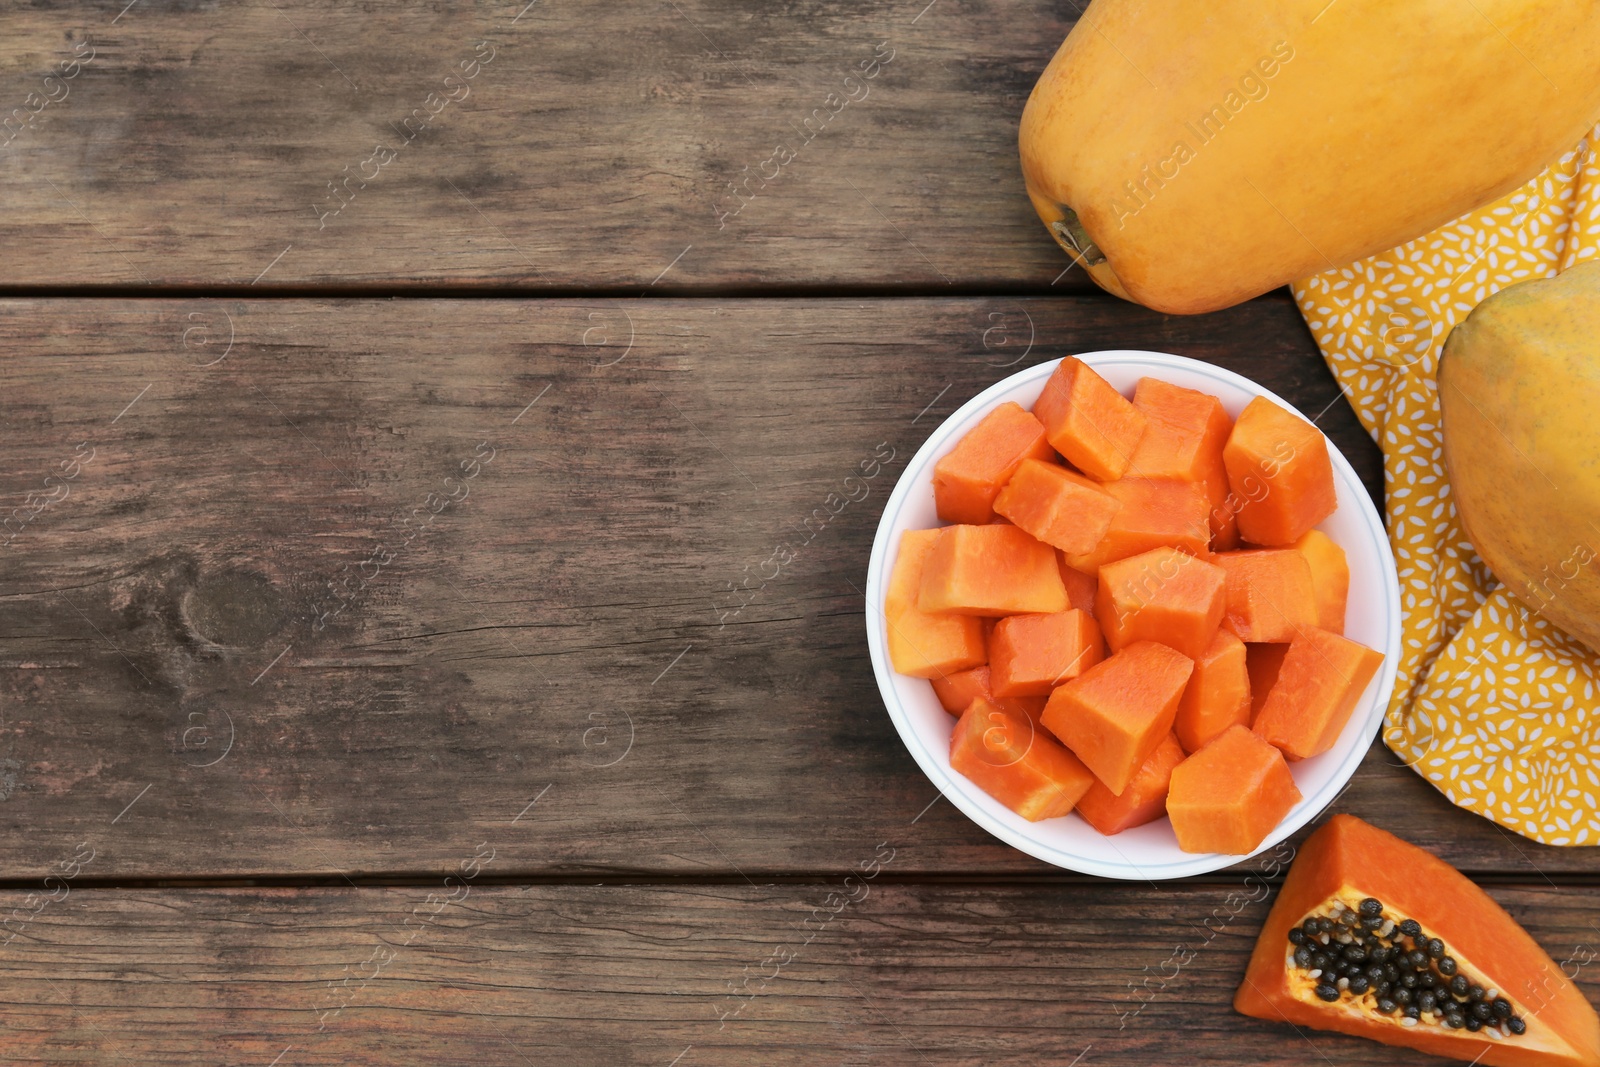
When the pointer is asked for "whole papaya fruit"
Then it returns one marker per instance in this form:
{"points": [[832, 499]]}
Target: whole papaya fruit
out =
{"points": [[1195, 153], [1519, 386]]}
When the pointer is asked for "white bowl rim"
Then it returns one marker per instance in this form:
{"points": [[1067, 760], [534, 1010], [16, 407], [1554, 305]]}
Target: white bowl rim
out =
{"points": [[958, 790]]}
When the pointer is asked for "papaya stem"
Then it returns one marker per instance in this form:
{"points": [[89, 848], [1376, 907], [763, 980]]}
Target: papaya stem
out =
{"points": [[1071, 235]]}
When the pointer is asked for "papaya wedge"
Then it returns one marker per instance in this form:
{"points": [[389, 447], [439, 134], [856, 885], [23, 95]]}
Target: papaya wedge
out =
{"points": [[1357, 891]]}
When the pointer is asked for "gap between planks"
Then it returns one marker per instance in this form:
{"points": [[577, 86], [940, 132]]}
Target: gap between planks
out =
{"points": [[655, 880]]}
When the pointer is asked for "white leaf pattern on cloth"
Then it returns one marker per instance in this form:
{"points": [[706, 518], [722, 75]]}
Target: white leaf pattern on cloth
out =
{"points": [[1493, 705]]}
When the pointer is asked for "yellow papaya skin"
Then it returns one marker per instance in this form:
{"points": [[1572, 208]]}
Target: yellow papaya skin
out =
{"points": [[1207, 151], [1519, 387]]}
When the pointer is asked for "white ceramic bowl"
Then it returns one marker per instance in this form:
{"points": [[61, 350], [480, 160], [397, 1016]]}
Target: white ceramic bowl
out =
{"points": [[1147, 852]]}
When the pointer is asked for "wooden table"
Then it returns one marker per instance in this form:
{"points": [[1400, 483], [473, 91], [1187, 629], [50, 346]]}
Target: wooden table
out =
{"points": [[395, 403]]}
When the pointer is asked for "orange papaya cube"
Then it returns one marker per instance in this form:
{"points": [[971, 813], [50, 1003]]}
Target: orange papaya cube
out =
{"points": [[1029, 655], [1154, 512], [991, 570], [1017, 763], [1081, 587], [957, 691], [1321, 680], [1218, 693], [1060, 507], [924, 645], [1184, 440], [1161, 595], [1278, 465], [1270, 595], [1145, 799], [1330, 578], [1088, 421], [1228, 796], [1113, 715], [968, 478], [1263, 661], [1186, 431]]}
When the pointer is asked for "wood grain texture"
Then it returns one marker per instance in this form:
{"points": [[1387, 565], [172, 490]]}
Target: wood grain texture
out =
{"points": [[273, 626], [584, 146], [696, 977]]}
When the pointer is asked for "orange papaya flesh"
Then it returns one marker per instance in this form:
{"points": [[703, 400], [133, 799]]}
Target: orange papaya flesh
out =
{"points": [[957, 691], [1113, 715], [1081, 587], [1017, 763], [1263, 661], [1218, 693], [1330, 578], [1095, 427], [1348, 865], [1270, 594], [1155, 513], [1318, 686], [1161, 595], [960, 688], [1060, 507], [1029, 655], [1278, 466], [1228, 796], [1145, 798], [1224, 518], [968, 478], [1187, 432], [990, 570], [923, 645], [1185, 428]]}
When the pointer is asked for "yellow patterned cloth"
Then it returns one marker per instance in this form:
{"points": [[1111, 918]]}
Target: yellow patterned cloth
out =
{"points": [[1493, 705]]}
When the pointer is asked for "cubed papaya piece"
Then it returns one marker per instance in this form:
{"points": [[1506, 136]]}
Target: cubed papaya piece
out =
{"points": [[1186, 429], [1029, 655], [1163, 595], [1145, 799], [921, 644], [1321, 680], [1263, 661], [1081, 587], [1088, 421], [991, 570], [1330, 578], [1060, 507], [1184, 440], [1154, 512], [968, 478], [1113, 715], [1278, 465], [1270, 595], [1230, 795], [957, 691], [1218, 693], [1017, 763], [960, 688]]}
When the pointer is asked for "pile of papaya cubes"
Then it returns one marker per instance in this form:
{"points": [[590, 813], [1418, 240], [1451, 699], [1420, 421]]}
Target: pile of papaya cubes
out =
{"points": [[1131, 611]]}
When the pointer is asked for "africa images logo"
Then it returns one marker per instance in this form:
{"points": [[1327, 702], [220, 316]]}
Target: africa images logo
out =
{"points": [[1203, 129]]}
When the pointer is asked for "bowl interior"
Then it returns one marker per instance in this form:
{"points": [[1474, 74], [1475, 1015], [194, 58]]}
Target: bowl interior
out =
{"points": [[1150, 851]]}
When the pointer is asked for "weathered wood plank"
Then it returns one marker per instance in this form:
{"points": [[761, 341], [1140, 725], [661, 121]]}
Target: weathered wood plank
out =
{"points": [[795, 974], [551, 145], [374, 578]]}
